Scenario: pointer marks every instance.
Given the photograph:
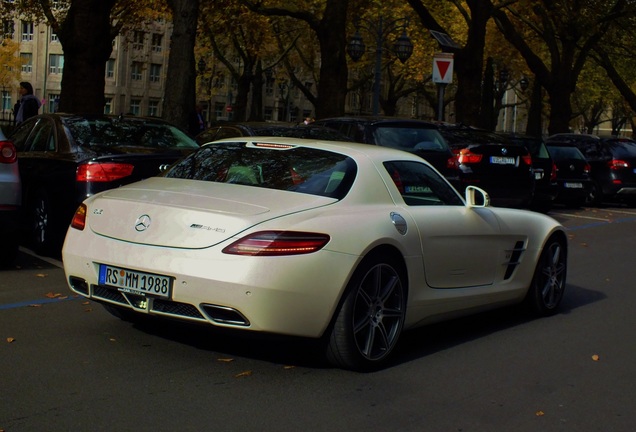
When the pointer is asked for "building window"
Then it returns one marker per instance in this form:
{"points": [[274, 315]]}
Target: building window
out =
{"points": [[135, 106], [108, 106], [138, 40], [54, 38], [8, 29], [27, 62], [135, 69], [6, 100], [110, 68], [157, 40], [219, 109], [54, 102], [155, 72], [269, 87], [27, 31], [56, 63], [269, 113], [153, 108]]}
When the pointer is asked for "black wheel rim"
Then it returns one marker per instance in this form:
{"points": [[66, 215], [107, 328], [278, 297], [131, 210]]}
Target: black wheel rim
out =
{"points": [[552, 277], [378, 312]]}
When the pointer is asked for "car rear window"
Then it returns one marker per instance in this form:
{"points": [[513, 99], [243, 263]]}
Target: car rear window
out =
{"points": [[623, 149], [410, 138], [560, 153], [298, 169], [114, 132]]}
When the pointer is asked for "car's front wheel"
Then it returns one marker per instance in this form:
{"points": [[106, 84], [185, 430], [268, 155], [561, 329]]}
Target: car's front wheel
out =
{"points": [[548, 284], [370, 319]]}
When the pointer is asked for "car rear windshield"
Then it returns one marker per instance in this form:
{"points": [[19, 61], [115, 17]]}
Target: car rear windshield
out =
{"points": [[623, 149], [115, 132], [560, 153], [410, 138], [298, 169]]}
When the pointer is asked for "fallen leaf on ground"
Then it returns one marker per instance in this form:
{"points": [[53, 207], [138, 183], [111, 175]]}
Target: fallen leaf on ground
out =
{"points": [[41, 275], [288, 367], [53, 295], [243, 374], [584, 244], [225, 360], [10, 339], [539, 413], [595, 357], [86, 303]]}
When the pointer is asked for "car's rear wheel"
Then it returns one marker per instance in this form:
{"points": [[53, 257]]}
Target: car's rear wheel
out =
{"points": [[595, 195], [548, 283], [370, 319], [43, 238]]}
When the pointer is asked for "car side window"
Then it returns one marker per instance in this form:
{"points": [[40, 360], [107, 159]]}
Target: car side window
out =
{"points": [[42, 139], [20, 136], [421, 185]]}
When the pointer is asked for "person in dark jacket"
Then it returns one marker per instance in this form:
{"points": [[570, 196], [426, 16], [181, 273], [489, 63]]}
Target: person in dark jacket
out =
{"points": [[28, 105]]}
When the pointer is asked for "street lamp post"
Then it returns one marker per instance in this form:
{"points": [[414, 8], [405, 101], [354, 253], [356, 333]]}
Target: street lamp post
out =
{"points": [[403, 48]]}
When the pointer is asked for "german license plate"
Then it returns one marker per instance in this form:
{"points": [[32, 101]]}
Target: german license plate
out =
{"points": [[502, 160], [573, 185], [135, 282]]}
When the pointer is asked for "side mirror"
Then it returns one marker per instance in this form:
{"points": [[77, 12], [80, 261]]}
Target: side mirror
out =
{"points": [[477, 197]]}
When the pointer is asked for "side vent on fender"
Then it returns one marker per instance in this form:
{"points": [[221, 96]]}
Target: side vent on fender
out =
{"points": [[513, 262]]}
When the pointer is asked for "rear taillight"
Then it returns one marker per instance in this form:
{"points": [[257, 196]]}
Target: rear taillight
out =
{"points": [[468, 157], [527, 159], [277, 243], [8, 153], [553, 173], [103, 172], [618, 164], [79, 218], [587, 168]]}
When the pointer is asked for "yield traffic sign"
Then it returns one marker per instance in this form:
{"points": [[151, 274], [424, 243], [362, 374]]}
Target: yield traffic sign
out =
{"points": [[443, 68]]}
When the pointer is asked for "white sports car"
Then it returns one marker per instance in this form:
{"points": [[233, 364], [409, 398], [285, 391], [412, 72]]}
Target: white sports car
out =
{"points": [[348, 243]]}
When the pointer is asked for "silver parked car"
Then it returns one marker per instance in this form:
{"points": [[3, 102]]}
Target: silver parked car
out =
{"points": [[10, 200]]}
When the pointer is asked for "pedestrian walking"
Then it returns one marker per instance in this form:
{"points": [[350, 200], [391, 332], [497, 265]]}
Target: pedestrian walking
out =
{"points": [[28, 105]]}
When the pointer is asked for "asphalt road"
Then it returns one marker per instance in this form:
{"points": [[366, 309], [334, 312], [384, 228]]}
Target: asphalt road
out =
{"points": [[67, 365]]}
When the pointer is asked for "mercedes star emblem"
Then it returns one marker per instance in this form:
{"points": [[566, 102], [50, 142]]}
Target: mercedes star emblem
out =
{"points": [[142, 223]]}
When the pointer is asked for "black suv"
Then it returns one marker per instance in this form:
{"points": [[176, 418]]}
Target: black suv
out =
{"points": [[492, 162], [546, 187], [414, 136], [613, 165]]}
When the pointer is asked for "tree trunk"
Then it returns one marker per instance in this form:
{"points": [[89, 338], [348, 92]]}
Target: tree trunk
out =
{"points": [[534, 126], [180, 98], [85, 35]]}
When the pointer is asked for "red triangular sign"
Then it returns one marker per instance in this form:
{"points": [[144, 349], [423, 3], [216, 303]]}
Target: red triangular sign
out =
{"points": [[442, 66]]}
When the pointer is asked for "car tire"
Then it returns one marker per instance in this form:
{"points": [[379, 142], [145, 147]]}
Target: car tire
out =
{"points": [[548, 283], [371, 316], [595, 195], [43, 238]]}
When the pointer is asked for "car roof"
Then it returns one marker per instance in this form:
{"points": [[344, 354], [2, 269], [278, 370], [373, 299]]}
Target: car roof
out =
{"points": [[376, 120]]}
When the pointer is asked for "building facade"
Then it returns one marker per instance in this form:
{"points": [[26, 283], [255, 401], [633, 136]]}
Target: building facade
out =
{"points": [[135, 74]]}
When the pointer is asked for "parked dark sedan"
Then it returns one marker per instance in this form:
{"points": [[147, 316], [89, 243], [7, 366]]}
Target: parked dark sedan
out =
{"points": [[493, 163], [221, 130], [573, 174], [546, 188], [613, 165], [411, 135], [64, 158]]}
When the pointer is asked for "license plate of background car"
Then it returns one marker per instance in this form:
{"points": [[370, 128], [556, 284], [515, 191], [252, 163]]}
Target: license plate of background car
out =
{"points": [[501, 160], [574, 185], [135, 282]]}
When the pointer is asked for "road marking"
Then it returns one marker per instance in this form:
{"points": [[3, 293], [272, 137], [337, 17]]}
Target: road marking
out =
{"points": [[52, 261], [37, 302], [580, 217]]}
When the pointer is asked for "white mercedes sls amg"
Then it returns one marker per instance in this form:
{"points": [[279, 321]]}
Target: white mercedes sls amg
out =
{"points": [[347, 243]]}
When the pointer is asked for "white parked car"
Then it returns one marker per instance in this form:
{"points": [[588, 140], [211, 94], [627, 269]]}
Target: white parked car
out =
{"points": [[347, 243]]}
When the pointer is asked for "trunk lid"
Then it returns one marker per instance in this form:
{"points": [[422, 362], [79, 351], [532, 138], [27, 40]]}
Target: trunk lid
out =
{"points": [[188, 213]]}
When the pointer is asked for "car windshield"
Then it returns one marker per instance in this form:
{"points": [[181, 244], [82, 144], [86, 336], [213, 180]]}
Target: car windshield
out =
{"points": [[298, 169], [115, 132], [410, 138], [560, 153]]}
